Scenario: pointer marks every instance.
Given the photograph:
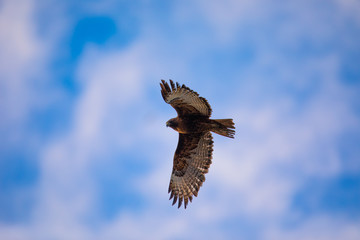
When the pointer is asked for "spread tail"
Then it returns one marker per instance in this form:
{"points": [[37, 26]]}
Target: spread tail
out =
{"points": [[224, 127]]}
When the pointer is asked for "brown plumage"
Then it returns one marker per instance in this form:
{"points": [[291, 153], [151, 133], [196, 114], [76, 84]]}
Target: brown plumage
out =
{"points": [[194, 151]]}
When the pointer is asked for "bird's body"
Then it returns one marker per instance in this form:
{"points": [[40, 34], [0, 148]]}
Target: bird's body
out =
{"points": [[190, 124], [194, 151]]}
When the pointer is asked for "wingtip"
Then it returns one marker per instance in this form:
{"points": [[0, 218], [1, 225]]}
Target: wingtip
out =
{"points": [[172, 85], [186, 200], [171, 195], [174, 201], [180, 202]]}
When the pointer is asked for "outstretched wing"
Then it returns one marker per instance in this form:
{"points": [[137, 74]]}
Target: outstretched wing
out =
{"points": [[184, 100], [191, 162]]}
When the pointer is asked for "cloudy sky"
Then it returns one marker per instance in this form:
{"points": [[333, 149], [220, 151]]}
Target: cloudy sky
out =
{"points": [[84, 151]]}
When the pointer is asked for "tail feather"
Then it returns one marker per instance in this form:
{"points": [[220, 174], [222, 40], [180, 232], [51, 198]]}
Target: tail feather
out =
{"points": [[224, 127]]}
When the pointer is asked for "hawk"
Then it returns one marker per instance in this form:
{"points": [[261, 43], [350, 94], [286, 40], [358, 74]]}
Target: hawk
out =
{"points": [[193, 154]]}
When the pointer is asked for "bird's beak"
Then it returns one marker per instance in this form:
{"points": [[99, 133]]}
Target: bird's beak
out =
{"points": [[167, 124]]}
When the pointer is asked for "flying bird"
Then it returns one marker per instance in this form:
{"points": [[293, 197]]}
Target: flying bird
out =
{"points": [[193, 154]]}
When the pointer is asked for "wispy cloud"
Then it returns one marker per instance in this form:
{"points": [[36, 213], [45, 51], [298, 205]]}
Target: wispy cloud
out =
{"points": [[104, 173], [21, 60]]}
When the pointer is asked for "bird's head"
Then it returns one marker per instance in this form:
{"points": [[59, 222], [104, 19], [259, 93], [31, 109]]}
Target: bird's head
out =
{"points": [[173, 123]]}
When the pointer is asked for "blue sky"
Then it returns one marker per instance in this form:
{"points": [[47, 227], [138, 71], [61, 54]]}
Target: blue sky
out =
{"points": [[84, 151]]}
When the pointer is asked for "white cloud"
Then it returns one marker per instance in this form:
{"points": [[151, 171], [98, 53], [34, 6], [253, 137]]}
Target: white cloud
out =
{"points": [[277, 147], [319, 228], [21, 57], [350, 8], [226, 16], [112, 88]]}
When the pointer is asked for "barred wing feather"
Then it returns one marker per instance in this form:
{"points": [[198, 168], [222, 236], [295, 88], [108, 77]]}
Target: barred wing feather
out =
{"points": [[191, 162], [184, 100]]}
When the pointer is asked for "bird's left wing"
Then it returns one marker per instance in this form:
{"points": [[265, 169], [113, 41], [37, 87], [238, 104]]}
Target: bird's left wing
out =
{"points": [[184, 100], [191, 162]]}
